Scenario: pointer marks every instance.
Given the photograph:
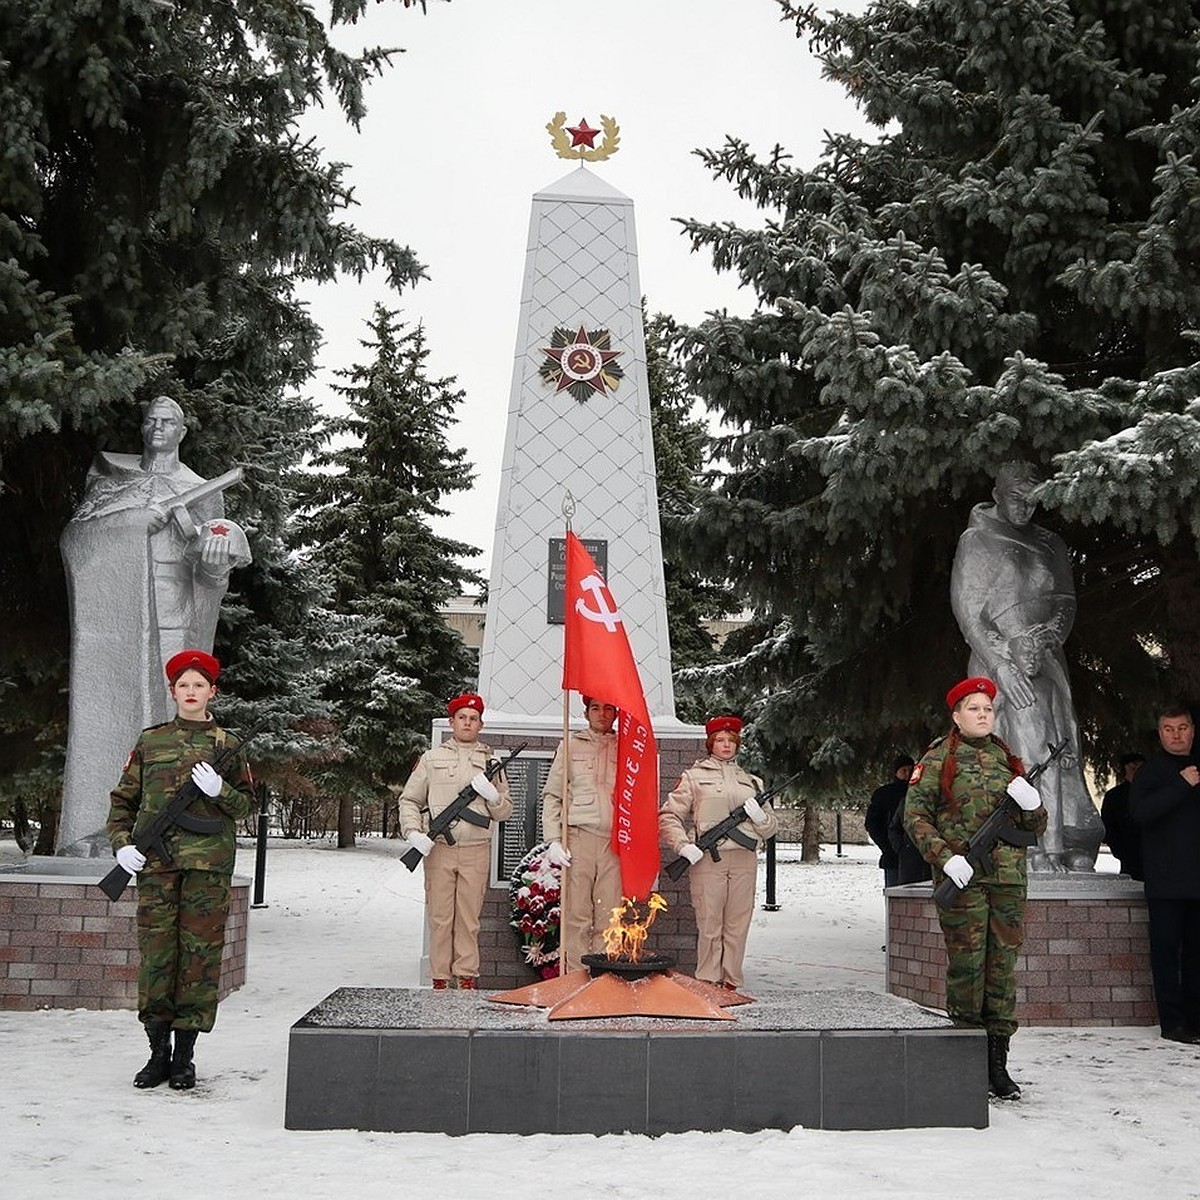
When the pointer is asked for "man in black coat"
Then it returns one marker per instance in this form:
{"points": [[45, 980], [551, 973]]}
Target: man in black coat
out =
{"points": [[912, 866], [1164, 801], [1124, 838], [884, 802]]}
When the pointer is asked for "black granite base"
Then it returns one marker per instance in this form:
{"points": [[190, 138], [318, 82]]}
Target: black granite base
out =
{"points": [[398, 1060]]}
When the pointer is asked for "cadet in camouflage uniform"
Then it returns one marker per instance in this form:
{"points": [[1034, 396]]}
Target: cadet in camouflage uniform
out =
{"points": [[456, 877], [181, 903], [955, 787]]}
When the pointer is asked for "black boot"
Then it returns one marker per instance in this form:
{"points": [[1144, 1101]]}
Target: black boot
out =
{"points": [[158, 1066], [183, 1070], [1000, 1083]]}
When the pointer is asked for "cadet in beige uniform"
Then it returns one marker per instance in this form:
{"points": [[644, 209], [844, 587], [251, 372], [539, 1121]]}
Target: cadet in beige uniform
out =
{"points": [[722, 892], [594, 882], [456, 877]]}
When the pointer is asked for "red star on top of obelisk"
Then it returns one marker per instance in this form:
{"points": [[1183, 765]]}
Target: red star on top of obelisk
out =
{"points": [[582, 134]]}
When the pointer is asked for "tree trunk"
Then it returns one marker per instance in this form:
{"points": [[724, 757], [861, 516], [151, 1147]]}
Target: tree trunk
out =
{"points": [[1181, 640], [345, 823], [810, 843]]}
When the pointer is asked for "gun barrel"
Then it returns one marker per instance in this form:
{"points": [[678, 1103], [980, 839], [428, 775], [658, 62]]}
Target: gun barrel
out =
{"points": [[778, 788], [1039, 769]]}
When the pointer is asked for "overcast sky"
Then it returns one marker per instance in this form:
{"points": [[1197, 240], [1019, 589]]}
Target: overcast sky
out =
{"points": [[454, 146]]}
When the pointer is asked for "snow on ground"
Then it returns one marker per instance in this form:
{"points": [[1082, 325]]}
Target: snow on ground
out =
{"points": [[1106, 1113]]}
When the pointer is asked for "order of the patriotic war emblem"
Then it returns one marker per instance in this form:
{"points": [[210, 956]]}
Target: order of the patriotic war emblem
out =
{"points": [[581, 362]]}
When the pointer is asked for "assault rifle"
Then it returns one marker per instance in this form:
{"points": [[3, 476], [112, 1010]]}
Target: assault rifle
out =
{"points": [[999, 827], [459, 809], [153, 837], [728, 828]]}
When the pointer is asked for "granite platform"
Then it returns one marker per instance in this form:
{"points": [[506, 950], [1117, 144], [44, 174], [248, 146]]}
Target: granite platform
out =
{"points": [[396, 1060]]}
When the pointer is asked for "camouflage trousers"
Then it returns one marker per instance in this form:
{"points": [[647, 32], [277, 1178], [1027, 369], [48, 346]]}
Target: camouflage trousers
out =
{"points": [[983, 929], [181, 933]]}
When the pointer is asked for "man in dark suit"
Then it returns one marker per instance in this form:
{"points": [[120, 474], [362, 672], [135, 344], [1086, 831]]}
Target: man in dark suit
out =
{"points": [[1164, 801], [1124, 838], [883, 804]]}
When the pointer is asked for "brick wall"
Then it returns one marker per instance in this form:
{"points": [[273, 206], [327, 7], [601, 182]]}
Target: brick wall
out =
{"points": [[64, 944], [1085, 959]]}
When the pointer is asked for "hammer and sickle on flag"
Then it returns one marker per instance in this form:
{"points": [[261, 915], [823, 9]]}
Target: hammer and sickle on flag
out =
{"points": [[610, 618], [598, 661]]}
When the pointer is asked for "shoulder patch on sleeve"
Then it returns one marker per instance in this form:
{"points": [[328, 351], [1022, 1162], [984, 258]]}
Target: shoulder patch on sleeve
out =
{"points": [[917, 772]]}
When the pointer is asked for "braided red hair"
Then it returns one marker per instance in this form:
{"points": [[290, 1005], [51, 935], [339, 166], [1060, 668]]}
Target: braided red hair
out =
{"points": [[950, 767]]}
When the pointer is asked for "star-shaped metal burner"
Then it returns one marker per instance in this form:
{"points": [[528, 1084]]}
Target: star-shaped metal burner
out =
{"points": [[578, 996]]}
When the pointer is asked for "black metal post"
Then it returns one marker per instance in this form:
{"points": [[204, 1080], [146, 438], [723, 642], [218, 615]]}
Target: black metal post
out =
{"points": [[770, 905], [837, 821], [260, 850]]}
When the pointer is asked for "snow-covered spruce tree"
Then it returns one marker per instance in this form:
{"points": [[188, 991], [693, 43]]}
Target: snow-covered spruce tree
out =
{"points": [[158, 207], [680, 442], [1009, 271], [366, 525]]}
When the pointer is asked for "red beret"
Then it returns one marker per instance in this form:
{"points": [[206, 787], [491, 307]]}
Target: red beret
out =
{"points": [[192, 660], [977, 683], [466, 700], [723, 725]]}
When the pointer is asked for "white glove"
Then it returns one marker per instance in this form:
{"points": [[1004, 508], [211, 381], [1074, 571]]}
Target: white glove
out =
{"points": [[691, 852], [557, 855], [754, 811], [1024, 793], [206, 779], [959, 870], [420, 842], [484, 787], [131, 858]]}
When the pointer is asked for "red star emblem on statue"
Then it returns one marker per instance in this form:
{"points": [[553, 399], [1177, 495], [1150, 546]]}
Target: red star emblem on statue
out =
{"points": [[219, 530], [582, 134]]}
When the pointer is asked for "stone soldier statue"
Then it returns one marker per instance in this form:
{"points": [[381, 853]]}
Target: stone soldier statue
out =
{"points": [[1014, 600], [148, 554]]}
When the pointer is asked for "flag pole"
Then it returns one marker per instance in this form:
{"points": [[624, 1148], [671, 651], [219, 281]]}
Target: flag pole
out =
{"points": [[568, 511]]}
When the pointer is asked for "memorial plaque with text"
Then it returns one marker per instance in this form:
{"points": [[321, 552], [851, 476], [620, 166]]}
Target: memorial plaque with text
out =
{"points": [[556, 574]]}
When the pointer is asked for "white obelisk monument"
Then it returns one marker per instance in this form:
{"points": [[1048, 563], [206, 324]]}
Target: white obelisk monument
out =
{"points": [[578, 422]]}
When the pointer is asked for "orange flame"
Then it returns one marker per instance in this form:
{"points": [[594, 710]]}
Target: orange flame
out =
{"points": [[626, 933]]}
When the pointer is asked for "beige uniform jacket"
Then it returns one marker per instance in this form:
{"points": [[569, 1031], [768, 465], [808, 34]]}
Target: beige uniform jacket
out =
{"points": [[707, 793], [593, 774], [440, 774]]}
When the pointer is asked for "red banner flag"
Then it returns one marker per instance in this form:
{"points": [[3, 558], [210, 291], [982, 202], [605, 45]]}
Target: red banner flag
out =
{"points": [[598, 662]]}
